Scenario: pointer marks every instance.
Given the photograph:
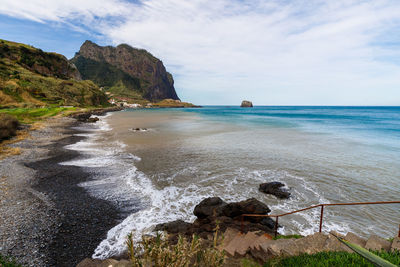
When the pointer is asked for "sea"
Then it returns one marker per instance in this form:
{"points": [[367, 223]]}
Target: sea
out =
{"points": [[178, 157]]}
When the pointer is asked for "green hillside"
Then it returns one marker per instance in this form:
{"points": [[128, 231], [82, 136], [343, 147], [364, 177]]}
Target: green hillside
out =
{"points": [[30, 77], [112, 79]]}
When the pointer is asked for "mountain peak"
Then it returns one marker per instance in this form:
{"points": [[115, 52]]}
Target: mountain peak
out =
{"points": [[152, 81]]}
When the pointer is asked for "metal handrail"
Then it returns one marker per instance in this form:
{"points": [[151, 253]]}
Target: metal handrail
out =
{"points": [[312, 207]]}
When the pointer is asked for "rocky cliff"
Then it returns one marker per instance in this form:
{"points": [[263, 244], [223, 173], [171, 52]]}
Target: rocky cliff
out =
{"points": [[125, 71]]}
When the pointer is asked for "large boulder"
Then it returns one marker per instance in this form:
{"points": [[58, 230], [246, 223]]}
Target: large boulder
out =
{"points": [[249, 206], [211, 206], [213, 211], [93, 119], [274, 188], [174, 227], [246, 104]]}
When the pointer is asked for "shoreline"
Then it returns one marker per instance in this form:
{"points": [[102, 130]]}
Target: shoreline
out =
{"points": [[44, 214]]}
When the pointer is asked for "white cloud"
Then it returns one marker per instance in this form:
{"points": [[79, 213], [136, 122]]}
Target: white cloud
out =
{"points": [[55, 10], [273, 52]]}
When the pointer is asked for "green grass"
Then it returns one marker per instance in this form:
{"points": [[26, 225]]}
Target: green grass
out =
{"points": [[8, 262], [337, 259], [31, 78], [287, 237], [30, 115]]}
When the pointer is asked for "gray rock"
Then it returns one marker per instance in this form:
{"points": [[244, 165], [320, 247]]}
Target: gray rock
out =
{"points": [[377, 243]]}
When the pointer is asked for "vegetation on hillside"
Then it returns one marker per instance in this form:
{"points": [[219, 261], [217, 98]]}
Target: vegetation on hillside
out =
{"points": [[170, 103], [125, 71], [35, 60], [30, 77], [158, 251], [109, 77], [31, 115]]}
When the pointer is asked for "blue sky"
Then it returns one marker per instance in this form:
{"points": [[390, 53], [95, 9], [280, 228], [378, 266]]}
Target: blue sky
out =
{"points": [[342, 52]]}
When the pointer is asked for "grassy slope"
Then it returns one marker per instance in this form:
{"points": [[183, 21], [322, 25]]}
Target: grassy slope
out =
{"points": [[30, 77], [31, 115]]}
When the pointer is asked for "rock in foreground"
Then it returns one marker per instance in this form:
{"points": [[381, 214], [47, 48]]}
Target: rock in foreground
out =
{"points": [[246, 104], [274, 188], [214, 211]]}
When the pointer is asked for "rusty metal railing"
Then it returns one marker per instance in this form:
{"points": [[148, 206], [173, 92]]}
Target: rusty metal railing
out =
{"points": [[313, 207]]}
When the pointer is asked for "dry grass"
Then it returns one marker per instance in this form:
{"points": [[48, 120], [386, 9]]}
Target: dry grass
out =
{"points": [[158, 251], [7, 151], [6, 99]]}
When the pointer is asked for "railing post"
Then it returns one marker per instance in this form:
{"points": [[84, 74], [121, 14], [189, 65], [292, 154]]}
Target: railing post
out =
{"points": [[241, 224], [321, 218], [276, 226], [399, 232]]}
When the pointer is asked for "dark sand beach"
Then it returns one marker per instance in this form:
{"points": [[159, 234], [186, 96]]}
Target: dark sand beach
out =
{"points": [[46, 219]]}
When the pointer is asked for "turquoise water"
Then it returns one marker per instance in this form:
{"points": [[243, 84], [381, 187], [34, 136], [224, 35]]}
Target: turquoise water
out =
{"points": [[322, 154], [372, 125]]}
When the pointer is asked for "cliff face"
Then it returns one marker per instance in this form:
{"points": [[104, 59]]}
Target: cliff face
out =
{"points": [[146, 74]]}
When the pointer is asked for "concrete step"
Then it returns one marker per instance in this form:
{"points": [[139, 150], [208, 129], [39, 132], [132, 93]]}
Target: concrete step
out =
{"points": [[230, 233], [377, 243], [240, 244], [355, 239], [395, 244], [263, 247], [260, 240]]}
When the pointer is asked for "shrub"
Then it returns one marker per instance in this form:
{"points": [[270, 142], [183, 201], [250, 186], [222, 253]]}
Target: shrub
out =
{"points": [[8, 126], [157, 251]]}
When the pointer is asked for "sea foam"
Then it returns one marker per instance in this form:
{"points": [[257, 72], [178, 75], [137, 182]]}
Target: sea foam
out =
{"points": [[117, 179]]}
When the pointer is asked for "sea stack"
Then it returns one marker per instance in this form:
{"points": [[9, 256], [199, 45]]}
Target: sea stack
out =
{"points": [[246, 104]]}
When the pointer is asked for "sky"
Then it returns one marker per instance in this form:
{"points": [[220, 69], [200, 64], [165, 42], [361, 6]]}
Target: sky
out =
{"points": [[287, 52]]}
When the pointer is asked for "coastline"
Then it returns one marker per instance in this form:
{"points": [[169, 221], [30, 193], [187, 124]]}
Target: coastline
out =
{"points": [[46, 219]]}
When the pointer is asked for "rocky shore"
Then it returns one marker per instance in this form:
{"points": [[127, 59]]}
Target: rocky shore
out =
{"points": [[46, 219], [214, 211]]}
